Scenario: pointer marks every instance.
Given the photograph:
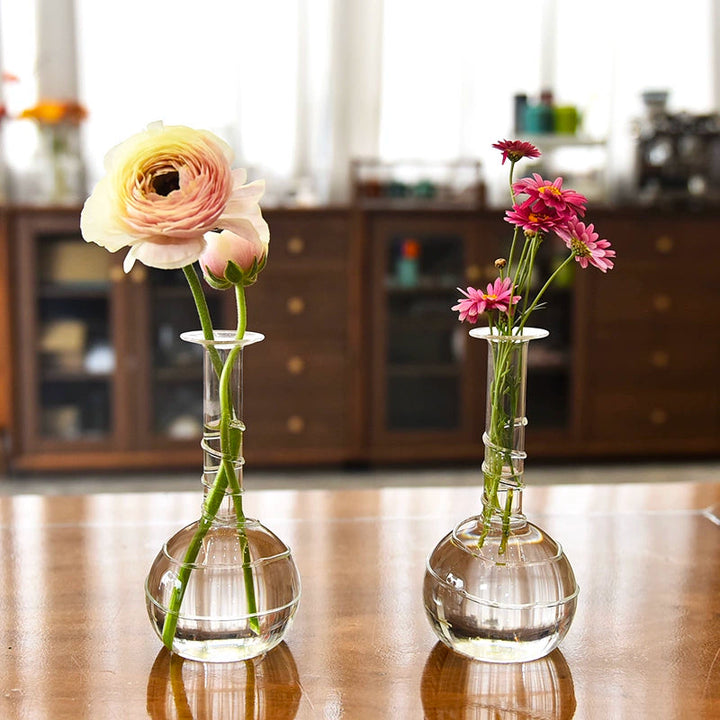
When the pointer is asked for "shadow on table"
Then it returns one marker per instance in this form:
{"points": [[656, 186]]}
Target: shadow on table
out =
{"points": [[267, 687], [457, 688]]}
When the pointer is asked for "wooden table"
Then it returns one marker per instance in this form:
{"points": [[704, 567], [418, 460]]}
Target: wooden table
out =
{"points": [[76, 642]]}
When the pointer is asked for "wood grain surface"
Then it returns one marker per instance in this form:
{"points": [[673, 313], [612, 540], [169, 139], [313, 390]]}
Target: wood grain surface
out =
{"points": [[76, 642]]}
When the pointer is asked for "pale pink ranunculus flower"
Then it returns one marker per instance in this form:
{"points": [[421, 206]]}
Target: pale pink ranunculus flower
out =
{"points": [[164, 188]]}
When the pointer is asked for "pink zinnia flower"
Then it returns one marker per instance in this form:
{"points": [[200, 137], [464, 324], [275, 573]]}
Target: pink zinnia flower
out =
{"points": [[516, 149], [536, 217], [586, 247], [497, 297], [551, 194]]}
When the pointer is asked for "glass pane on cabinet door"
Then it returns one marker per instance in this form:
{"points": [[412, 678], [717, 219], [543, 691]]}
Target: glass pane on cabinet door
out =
{"points": [[549, 378], [75, 350], [424, 340], [176, 365]]}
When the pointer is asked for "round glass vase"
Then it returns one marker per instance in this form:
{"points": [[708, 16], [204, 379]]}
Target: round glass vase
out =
{"points": [[497, 587], [224, 588]]}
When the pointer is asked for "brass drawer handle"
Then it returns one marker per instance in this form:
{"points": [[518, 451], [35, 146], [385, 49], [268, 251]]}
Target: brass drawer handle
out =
{"points": [[472, 273], [295, 365], [295, 305], [295, 424], [661, 302], [295, 245], [660, 359], [138, 274], [664, 244], [658, 416]]}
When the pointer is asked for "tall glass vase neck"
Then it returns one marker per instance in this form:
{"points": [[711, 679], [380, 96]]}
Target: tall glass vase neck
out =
{"points": [[223, 426], [504, 437]]}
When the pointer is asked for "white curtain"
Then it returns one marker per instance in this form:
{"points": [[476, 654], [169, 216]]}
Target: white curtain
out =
{"points": [[299, 87]]}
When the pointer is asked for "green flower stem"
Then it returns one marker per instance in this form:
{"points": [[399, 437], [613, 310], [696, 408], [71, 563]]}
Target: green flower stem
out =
{"points": [[512, 252], [500, 433], [526, 313], [211, 505], [203, 313], [230, 447]]}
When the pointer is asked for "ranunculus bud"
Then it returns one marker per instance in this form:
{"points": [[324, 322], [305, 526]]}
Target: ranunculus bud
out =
{"points": [[232, 259], [500, 263]]}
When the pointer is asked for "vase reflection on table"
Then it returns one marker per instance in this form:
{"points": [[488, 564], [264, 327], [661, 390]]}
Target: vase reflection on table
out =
{"points": [[455, 688], [262, 688]]}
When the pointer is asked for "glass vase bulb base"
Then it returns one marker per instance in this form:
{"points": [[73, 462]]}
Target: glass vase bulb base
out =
{"points": [[216, 621], [496, 600]]}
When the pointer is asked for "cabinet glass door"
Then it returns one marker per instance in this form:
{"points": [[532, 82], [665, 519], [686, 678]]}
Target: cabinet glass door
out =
{"points": [[549, 364], [176, 366], [75, 353], [424, 342]]}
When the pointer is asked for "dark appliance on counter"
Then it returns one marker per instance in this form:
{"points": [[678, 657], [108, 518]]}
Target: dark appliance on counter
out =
{"points": [[678, 155]]}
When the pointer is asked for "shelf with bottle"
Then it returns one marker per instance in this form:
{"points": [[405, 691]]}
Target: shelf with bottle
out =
{"points": [[417, 184]]}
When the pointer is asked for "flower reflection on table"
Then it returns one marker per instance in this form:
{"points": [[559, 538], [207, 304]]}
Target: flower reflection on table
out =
{"points": [[267, 687], [457, 688]]}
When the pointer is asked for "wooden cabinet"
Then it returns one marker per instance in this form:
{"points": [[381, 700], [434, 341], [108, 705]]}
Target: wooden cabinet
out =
{"points": [[363, 361], [425, 398], [427, 376], [298, 390], [105, 381], [652, 342]]}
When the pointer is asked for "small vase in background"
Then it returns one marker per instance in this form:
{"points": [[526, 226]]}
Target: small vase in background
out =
{"points": [[61, 173]]}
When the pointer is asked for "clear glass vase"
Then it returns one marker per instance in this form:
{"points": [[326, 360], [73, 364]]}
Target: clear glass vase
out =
{"points": [[224, 588], [497, 587]]}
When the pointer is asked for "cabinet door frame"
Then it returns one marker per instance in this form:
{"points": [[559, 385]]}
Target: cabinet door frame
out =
{"points": [[463, 441], [27, 227]]}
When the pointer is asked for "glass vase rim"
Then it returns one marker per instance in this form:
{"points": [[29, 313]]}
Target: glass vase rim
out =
{"points": [[492, 335], [222, 339]]}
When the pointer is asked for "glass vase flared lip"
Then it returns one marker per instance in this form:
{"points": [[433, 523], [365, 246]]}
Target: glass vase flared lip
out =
{"points": [[223, 339], [492, 335]]}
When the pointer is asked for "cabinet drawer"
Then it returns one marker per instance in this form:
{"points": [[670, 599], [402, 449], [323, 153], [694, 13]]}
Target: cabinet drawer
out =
{"points": [[648, 292], [310, 370], [295, 393], [653, 356], [301, 240], [671, 241], [643, 415], [296, 304], [297, 398]]}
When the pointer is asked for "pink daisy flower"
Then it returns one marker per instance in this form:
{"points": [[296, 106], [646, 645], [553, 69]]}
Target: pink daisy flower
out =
{"points": [[516, 149], [497, 297], [536, 216], [586, 247], [551, 194]]}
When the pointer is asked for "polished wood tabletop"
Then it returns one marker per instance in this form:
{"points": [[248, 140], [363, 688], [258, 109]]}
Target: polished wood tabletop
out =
{"points": [[76, 641]]}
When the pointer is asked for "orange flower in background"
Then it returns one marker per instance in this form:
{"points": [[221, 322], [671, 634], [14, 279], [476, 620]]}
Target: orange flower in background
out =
{"points": [[54, 112]]}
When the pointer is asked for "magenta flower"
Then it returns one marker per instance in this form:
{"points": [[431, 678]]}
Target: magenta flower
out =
{"points": [[586, 247], [535, 217], [516, 149], [497, 297], [551, 194]]}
